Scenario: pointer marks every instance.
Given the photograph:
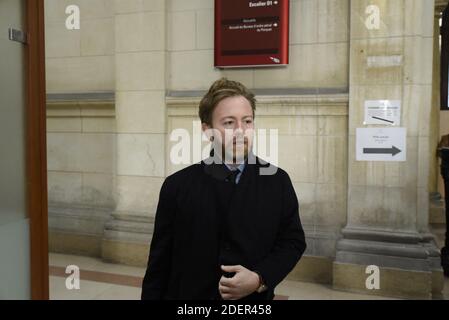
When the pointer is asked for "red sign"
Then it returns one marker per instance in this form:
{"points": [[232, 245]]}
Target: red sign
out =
{"points": [[251, 33]]}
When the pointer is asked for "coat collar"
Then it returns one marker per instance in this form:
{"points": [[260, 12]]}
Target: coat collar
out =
{"points": [[216, 168]]}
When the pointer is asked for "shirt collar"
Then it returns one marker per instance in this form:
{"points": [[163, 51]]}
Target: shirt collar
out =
{"points": [[240, 167], [218, 169]]}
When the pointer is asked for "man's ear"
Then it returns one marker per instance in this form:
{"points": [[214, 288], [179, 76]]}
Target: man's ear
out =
{"points": [[207, 130], [204, 126]]}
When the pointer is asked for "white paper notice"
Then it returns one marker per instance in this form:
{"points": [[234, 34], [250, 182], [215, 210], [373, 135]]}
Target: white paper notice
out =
{"points": [[384, 112], [381, 144]]}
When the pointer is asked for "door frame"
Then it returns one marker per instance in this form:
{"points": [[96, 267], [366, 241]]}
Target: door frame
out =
{"points": [[36, 155]]}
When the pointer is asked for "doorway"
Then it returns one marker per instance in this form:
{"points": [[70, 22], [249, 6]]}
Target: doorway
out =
{"points": [[23, 195]]}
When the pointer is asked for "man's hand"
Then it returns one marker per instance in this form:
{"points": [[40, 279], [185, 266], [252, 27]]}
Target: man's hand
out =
{"points": [[242, 284]]}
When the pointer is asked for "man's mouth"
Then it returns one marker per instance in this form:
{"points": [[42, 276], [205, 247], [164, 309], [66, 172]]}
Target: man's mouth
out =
{"points": [[234, 142]]}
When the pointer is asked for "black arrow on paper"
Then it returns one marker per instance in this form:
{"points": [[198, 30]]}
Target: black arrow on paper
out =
{"points": [[382, 119], [393, 151]]}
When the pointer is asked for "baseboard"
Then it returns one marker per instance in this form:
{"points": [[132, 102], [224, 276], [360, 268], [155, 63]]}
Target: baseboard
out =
{"points": [[398, 283], [129, 253], [313, 269], [71, 243]]}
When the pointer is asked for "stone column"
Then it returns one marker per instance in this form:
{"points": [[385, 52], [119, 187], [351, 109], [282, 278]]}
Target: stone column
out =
{"points": [[388, 202], [435, 114], [140, 141]]}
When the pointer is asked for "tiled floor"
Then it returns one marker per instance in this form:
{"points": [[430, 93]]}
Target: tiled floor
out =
{"points": [[100, 281]]}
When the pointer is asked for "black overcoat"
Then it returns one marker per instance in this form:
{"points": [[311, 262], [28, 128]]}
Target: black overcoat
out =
{"points": [[204, 221]]}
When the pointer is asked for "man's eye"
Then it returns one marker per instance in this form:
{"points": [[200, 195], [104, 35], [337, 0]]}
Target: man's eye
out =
{"points": [[249, 121], [228, 123]]}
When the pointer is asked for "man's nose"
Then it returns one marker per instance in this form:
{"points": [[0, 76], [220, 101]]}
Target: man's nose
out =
{"points": [[239, 131], [243, 126]]}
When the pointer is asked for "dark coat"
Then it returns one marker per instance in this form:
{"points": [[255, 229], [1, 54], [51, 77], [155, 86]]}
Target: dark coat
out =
{"points": [[204, 221]]}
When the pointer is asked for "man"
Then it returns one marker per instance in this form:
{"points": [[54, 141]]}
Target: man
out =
{"points": [[228, 227], [443, 153]]}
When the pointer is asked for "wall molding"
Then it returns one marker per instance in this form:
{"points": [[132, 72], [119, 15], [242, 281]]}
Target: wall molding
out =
{"points": [[87, 96], [285, 105], [81, 105], [267, 92]]}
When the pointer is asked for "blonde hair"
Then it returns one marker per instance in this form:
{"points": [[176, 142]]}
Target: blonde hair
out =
{"points": [[220, 90]]}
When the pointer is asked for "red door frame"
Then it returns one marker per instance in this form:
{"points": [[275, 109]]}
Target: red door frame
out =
{"points": [[37, 150]]}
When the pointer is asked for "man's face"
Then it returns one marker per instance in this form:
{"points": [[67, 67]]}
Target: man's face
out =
{"points": [[233, 124]]}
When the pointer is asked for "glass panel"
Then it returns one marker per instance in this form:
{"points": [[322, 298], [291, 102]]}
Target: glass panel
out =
{"points": [[14, 224]]}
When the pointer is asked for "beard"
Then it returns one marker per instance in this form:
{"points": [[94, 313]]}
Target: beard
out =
{"points": [[235, 153]]}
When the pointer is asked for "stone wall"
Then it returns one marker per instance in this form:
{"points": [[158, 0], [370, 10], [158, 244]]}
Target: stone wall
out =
{"points": [[81, 163], [81, 124], [319, 55], [80, 60]]}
